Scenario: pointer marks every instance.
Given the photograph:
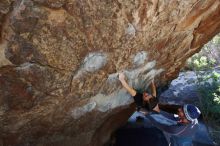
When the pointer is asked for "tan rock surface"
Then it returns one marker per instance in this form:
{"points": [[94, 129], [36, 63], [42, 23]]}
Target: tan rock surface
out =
{"points": [[59, 61]]}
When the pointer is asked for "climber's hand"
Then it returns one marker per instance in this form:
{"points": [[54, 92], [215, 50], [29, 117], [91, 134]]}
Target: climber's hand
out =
{"points": [[121, 77]]}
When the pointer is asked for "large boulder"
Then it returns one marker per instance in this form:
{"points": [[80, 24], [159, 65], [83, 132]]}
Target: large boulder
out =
{"points": [[59, 61], [183, 89]]}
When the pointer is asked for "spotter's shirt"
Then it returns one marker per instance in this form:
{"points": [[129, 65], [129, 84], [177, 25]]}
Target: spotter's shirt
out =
{"points": [[169, 123]]}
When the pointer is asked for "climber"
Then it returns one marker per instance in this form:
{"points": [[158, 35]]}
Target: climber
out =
{"points": [[144, 101], [183, 123]]}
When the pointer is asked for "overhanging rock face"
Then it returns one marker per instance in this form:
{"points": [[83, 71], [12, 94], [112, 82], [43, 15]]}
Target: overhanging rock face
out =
{"points": [[59, 61]]}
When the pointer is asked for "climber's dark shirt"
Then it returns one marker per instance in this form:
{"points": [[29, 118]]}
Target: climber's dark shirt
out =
{"points": [[138, 98]]}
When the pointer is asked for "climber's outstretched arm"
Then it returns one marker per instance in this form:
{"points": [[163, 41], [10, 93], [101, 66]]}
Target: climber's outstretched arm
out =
{"points": [[125, 84], [153, 89]]}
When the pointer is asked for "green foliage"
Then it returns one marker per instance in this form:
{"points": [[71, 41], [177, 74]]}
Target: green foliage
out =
{"points": [[216, 39], [210, 102], [199, 62], [207, 58], [209, 87], [209, 90]]}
